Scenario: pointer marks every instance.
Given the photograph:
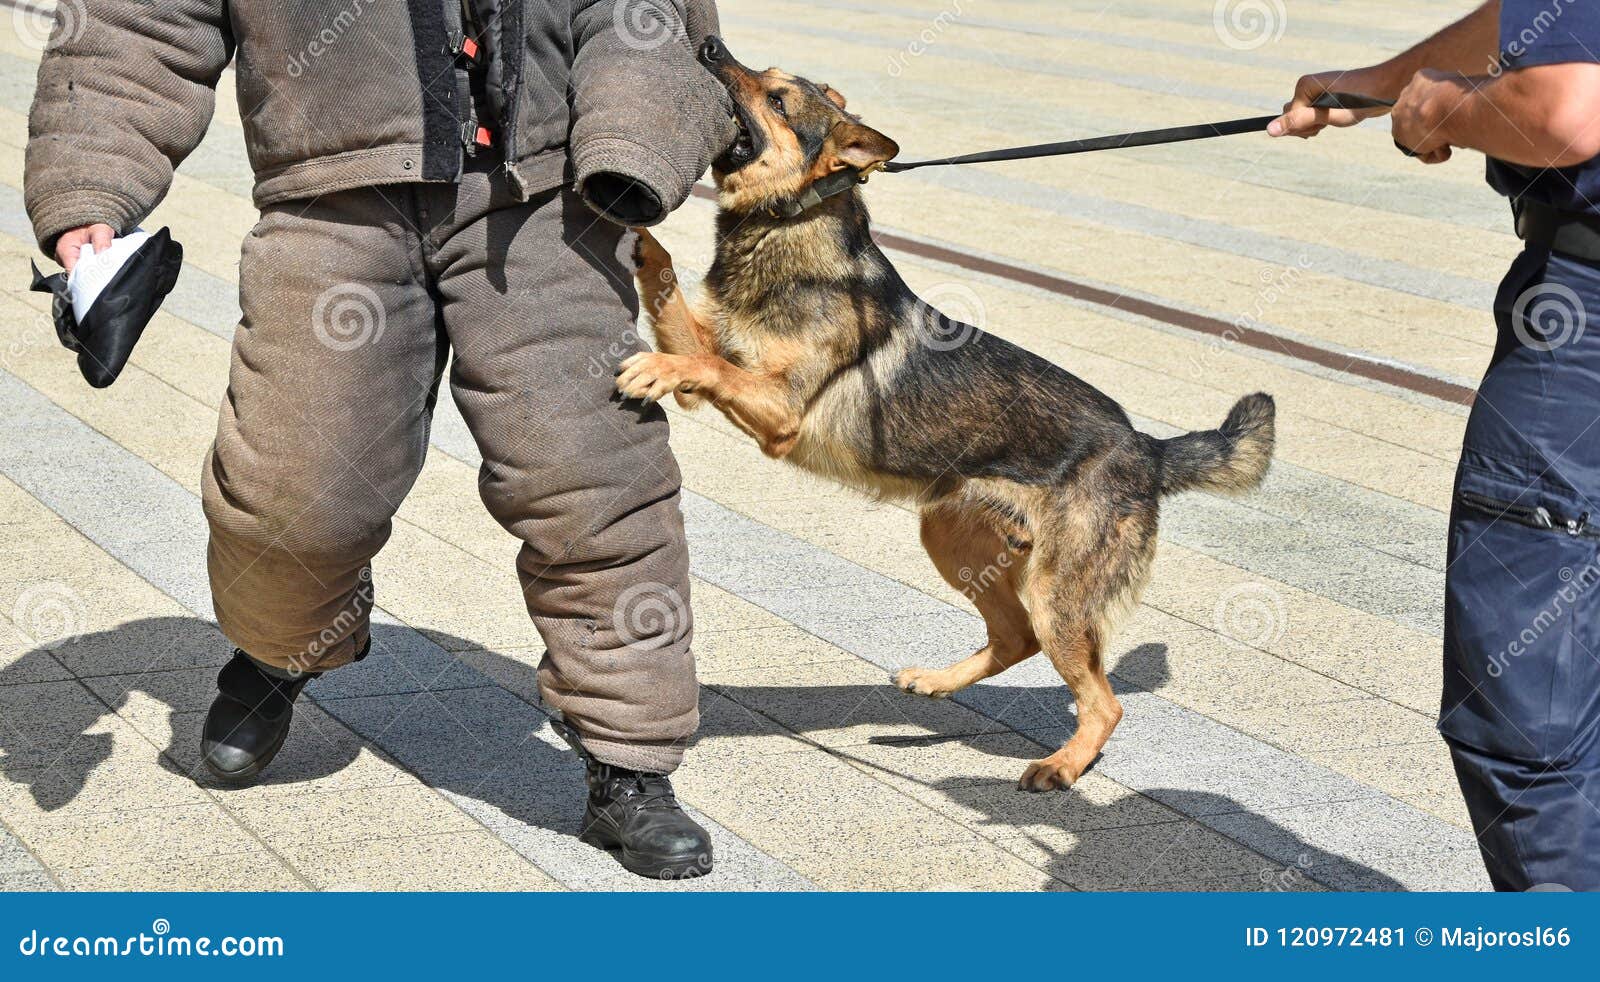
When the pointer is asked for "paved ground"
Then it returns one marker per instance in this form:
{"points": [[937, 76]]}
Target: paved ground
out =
{"points": [[1280, 681]]}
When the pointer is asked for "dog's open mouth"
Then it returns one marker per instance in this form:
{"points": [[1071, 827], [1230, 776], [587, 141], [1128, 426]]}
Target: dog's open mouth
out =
{"points": [[743, 149]]}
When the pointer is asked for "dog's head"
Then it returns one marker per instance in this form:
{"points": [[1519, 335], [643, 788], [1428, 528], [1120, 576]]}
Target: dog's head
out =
{"points": [[792, 133]]}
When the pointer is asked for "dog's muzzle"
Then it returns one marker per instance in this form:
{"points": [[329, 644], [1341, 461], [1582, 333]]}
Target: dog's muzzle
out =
{"points": [[747, 146]]}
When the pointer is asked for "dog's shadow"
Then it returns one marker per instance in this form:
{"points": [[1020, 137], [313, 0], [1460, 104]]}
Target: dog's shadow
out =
{"points": [[490, 750]]}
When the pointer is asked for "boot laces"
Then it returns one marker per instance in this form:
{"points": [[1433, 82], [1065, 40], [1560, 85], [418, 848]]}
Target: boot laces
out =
{"points": [[637, 788]]}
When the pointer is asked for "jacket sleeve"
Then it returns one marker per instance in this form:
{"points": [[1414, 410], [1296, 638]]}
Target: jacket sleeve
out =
{"points": [[125, 92], [648, 119]]}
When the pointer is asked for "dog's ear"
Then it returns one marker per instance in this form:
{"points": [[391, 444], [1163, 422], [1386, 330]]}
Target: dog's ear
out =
{"points": [[834, 95], [853, 144]]}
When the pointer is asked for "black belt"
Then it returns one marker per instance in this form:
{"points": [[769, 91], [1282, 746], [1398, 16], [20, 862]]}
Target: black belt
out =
{"points": [[1567, 232]]}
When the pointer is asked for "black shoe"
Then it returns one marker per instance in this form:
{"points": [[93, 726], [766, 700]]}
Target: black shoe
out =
{"points": [[637, 814], [248, 721]]}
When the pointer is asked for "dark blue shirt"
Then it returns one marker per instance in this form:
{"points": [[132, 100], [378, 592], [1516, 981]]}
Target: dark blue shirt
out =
{"points": [[1549, 32]]}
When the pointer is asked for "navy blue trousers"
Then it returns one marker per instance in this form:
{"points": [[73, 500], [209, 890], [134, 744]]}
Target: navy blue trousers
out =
{"points": [[1521, 706]]}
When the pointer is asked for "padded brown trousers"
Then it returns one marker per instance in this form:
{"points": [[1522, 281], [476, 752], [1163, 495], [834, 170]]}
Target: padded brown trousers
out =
{"points": [[352, 303]]}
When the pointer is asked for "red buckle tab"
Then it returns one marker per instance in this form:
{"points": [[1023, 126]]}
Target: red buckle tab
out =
{"points": [[469, 48], [483, 138]]}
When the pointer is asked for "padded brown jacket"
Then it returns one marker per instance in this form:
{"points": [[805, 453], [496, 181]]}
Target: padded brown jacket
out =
{"points": [[605, 94]]}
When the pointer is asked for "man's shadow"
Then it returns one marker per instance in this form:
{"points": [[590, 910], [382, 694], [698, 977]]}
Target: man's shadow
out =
{"points": [[472, 732], [453, 728]]}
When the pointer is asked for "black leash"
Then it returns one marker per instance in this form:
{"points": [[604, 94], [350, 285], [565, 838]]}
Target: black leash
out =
{"points": [[1145, 138]]}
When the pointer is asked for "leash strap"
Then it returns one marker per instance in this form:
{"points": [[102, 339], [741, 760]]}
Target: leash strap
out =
{"points": [[1144, 138]]}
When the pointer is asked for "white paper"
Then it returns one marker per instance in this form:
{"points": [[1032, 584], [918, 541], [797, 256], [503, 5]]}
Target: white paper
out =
{"points": [[94, 271]]}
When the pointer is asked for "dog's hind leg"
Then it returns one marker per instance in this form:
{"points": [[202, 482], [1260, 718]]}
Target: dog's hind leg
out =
{"points": [[982, 564], [1075, 650], [1077, 603]]}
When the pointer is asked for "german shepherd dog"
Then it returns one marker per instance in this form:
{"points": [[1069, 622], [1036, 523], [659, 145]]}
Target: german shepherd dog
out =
{"points": [[807, 339]]}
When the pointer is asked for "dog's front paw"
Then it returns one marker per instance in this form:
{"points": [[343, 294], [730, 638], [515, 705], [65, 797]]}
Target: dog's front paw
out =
{"points": [[649, 256], [1047, 775], [650, 375], [923, 682]]}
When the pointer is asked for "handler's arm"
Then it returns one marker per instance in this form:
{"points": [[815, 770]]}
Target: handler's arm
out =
{"points": [[1468, 46], [648, 119], [125, 93], [1541, 116]]}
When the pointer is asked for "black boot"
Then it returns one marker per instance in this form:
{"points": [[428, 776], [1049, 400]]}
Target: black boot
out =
{"points": [[248, 721], [637, 814]]}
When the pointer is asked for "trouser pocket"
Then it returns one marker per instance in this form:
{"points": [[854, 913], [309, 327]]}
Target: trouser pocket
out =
{"points": [[1522, 648]]}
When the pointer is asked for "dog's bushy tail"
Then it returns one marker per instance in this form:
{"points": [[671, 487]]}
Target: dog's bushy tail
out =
{"points": [[1231, 460]]}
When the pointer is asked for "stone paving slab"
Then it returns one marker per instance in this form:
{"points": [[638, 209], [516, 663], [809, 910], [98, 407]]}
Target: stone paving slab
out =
{"points": [[136, 832], [1252, 774]]}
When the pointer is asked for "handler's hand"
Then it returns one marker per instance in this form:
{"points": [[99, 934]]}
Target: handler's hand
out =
{"points": [[67, 246], [1301, 119], [1421, 111]]}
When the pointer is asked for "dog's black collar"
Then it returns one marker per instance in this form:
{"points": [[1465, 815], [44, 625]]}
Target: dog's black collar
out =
{"points": [[821, 190]]}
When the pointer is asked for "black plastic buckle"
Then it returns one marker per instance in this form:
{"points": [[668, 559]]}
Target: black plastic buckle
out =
{"points": [[465, 48]]}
